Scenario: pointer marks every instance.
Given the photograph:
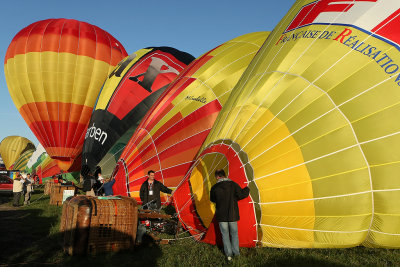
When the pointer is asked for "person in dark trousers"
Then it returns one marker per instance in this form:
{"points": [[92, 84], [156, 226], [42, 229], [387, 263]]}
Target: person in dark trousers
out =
{"points": [[226, 194], [28, 189], [18, 189], [150, 192]]}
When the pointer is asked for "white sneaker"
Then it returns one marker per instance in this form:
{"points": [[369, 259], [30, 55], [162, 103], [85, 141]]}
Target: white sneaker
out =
{"points": [[229, 258]]}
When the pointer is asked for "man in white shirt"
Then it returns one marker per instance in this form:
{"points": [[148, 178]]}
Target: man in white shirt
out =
{"points": [[18, 188]]}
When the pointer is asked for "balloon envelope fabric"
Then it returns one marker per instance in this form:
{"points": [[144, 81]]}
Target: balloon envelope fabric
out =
{"points": [[54, 70], [12, 147], [22, 161], [35, 156], [127, 94], [47, 168], [169, 136], [312, 127]]}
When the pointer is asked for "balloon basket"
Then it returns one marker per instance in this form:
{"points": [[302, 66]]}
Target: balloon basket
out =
{"points": [[57, 193], [92, 225], [48, 185]]}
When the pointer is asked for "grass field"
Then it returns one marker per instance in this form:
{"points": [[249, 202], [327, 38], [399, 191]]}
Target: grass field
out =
{"points": [[30, 236]]}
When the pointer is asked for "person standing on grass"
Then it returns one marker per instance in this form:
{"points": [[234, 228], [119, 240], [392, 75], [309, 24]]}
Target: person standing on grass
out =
{"points": [[226, 194], [28, 185], [150, 192], [18, 187]]}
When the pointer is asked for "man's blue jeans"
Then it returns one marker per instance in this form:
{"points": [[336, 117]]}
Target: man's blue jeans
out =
{"points": [[231, 243]]}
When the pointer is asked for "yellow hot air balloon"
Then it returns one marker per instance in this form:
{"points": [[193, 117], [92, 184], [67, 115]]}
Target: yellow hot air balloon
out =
{"points": [[313, 128], [12, 147], [54, 70]]}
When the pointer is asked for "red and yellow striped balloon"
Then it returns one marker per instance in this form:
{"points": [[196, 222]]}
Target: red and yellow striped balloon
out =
{"points": [[54, 70], [172, 132]]}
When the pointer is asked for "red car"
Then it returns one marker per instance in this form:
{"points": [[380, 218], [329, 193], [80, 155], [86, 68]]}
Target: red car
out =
{"points": [[6, 184]]}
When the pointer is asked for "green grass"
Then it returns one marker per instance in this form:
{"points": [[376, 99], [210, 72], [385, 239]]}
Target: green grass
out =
{"points": [[30, 236]]}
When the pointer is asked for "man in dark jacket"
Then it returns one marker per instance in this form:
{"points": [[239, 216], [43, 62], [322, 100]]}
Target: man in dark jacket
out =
{"points": [[225, 194], [150, 192]]}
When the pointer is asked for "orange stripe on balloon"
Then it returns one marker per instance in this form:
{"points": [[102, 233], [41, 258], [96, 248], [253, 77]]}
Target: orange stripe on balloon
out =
{"points": [[185, 151], [66, 152], [185, 129], [51, 112], [168, 124], [56, 144]]}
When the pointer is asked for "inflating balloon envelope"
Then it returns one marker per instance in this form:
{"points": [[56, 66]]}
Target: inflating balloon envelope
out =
{"points": [[13, 147], [47, 168], [170, 135], [312, 127], [35, 157], [54, 70], [22, 161], [127, 94]]}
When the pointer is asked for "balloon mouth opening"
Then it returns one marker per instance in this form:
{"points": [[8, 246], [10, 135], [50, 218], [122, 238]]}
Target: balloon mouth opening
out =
{"points": [[69, 159], [64, 162]]}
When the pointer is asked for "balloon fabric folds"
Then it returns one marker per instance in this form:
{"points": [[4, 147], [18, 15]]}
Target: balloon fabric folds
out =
{"points": [[127, 94], [13, 147], [169, 136], [47, 168], [54, 70], [313, 128], [40, 159], [35, 156], [22, 161]]}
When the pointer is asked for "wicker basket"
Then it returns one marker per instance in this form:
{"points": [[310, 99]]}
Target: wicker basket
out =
{"points": [[57, 192], [98, 224], [48, 185]]}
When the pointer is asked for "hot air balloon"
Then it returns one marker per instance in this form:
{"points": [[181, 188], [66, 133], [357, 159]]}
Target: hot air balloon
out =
{"points": [[42, 157], [35, 157], [54, 70], [127, 94], [12, 147], [171, 133], [47, 168], [312, 127], [22, 161]]}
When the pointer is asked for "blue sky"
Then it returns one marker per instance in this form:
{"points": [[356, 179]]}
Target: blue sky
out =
{"points": [[191, 26]]}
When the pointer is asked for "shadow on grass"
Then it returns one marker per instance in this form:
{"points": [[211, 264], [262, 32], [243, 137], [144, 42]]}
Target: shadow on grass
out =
{"points": [[145, 254], [20, 230], [25, 239], [6, 197], [49, 250]]}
